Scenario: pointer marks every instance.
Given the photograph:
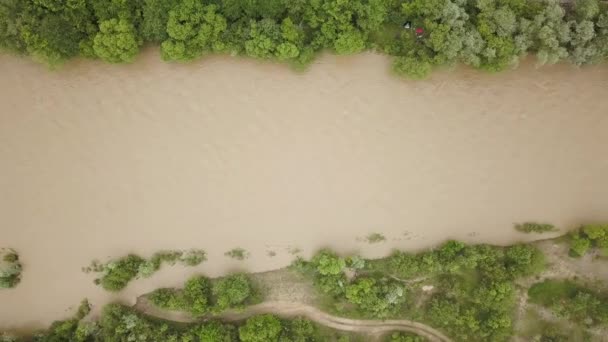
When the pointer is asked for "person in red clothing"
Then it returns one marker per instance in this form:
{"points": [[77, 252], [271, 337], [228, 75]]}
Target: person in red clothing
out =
{"points": [[419, 32]]}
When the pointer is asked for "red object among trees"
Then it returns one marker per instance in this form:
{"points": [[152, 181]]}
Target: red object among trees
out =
{"points": [[419, 31]]}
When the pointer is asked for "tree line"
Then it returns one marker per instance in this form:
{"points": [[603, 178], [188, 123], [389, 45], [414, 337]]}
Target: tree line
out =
{"points": [[116, 274], [121, 323], [488, 34], [202, 295]]}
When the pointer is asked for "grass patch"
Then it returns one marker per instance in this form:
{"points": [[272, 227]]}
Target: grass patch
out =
{"points": [[237, 254], [533, 227], [375, 238]]}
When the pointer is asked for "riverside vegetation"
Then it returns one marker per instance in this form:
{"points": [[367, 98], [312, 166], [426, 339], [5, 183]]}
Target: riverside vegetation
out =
{"points": [[10, 268], [470, 292], [116, 274], [487, 34]]}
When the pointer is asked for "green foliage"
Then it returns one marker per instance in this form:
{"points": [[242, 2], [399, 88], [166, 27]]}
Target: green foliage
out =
{"points": [[232, 291], [404, 337], [571, 301], [412, 67], [237, 253], [10, 268], [589, 236], [116, 41], [375, 238], [201, 296], [156, 16], [262, 328], [328, 263], [487, 34], [192, 29], [473, 286], [117, 274], [376, 298], [533, 227]]}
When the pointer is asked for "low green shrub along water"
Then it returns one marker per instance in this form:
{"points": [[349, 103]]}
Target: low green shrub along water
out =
{"points": [[487, 34]]}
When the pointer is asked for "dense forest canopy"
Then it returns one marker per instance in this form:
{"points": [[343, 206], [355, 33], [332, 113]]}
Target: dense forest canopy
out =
{"points": [[487, 34]]}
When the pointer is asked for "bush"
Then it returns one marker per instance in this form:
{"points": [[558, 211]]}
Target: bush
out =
{"points": [[237, 253], [10, 269], [579, 245], [404, 337], [533, 227], [328, 263], [118, 274], [262, 328], [571, 300], [232, 291]]}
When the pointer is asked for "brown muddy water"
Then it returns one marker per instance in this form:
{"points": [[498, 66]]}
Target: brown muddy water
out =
{"points": [[99, 160]]}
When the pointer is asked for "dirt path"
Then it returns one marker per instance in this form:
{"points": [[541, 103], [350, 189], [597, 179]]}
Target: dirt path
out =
{"points": [[290, 309]]}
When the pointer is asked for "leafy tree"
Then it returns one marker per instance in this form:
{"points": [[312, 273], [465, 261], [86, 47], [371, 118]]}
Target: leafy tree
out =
{"points": [[214, 332], [298, 330], [412, 67], [262, 328], [231, 291], [377, 298], [193, 29], [328, 263], [155, 17], [196, 293], [10, 31], [116, 41], [579, 245]]}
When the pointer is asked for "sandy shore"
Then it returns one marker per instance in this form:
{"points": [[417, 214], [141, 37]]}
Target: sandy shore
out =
{"points": [[99, 160]]}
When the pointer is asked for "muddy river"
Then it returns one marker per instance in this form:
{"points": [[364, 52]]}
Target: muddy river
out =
{"points": [[99, 160]]}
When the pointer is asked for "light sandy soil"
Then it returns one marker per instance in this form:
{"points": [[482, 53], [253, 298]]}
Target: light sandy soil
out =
{"points": [[99, 160]]}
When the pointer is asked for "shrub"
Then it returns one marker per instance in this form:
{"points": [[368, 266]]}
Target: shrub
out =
{"points": [[237, 253], [328, 263], [375, 238], [579, 245], [118, 274], [262, 328], [404, 337], [10, 269], [231, 291], [571, 300], [533, 227]]}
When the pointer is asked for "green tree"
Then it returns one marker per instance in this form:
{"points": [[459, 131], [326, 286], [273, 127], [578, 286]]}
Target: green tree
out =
{"points": [[193, 29], [116, 41], [214, 332], [231, 291], [412, 67], [155, 18], [196, 293], [117, 274], [262, 328], [328, 263], [579, 245]]}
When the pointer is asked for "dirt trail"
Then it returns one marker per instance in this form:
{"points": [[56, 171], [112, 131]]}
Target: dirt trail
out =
{"points": [[290, 309]]}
